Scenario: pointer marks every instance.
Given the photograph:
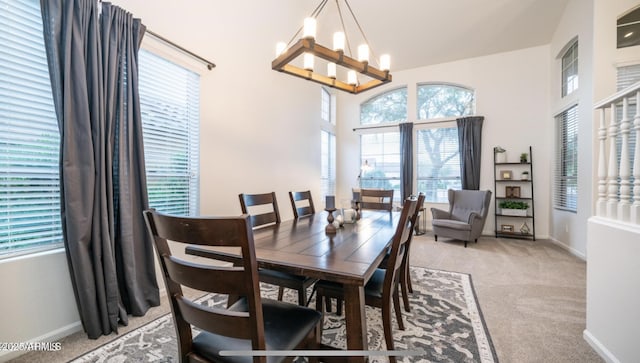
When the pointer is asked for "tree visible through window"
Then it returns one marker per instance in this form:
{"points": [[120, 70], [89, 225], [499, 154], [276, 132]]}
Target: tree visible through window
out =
{"points": [[380, 152], [437, 146]]}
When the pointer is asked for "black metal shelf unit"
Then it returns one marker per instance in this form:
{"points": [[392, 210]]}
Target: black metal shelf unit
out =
{"points": [[521, 190]]}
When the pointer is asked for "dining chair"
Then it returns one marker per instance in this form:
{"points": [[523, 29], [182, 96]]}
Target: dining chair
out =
{"points": [[251, 323], [382, 286], [271, 215], [405, 277], [302, 204], [377, 199]]}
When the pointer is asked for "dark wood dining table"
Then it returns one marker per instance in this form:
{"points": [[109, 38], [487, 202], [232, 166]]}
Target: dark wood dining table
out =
{"points": [[350, 256]]}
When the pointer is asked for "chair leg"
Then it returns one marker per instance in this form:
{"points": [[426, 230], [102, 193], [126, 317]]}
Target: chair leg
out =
{"points": [[465, 244], [396, 307], [302, 297], [386, 324], [328, 304], [280, 293], [436, 236], [405, 294], [409, 279], [320, 308], [339, 307]]}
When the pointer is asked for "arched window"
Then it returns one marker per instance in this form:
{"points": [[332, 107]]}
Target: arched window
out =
{"points": [[437, 144], [444, 100], [380, 151], [628, 29], [388, 107]]}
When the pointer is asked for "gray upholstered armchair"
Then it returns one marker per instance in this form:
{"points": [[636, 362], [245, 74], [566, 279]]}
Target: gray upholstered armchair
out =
{"points": [[465, 219]]}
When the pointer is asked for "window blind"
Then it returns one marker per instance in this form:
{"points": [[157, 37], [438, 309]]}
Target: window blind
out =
{"points": [[328, 163], [438, 163], [566, 169], [29, 136], [380, 153], [170, 103]]}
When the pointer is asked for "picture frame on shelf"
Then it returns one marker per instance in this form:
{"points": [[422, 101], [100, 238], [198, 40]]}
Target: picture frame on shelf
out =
{"points": [[512, 192], [506, 174], [507, 228]]}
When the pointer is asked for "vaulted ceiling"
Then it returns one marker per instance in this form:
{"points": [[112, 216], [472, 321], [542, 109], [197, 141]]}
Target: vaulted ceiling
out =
{"points": [[424, 32]]}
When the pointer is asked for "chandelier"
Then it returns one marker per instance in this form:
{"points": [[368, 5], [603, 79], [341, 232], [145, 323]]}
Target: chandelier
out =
{"points": [[306, 46]]}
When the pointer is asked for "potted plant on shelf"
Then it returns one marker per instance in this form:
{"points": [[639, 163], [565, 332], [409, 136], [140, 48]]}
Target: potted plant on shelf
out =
{"points": [[524, 157], [524, 175], [513, 208]]}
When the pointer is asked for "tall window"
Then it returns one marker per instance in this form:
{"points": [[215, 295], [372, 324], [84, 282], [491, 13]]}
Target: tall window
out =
{"points": [[566, 175], [29, 136], [570, 70], [437, 145], [170, 102], [328, 163], [380, 152]]}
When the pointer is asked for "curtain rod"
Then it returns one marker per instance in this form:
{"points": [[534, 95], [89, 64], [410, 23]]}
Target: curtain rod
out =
{"points": [[210, 65], [441, 121]]}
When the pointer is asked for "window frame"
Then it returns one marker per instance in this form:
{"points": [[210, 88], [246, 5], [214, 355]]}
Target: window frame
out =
{"points": [[566, 123], [570, 51]]}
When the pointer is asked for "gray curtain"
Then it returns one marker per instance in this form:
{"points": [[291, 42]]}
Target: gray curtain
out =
{"points": [[470, 144], [94, 77], [406, 159]]}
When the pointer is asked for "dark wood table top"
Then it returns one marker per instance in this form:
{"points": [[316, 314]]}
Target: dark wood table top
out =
{"points": [[302, 247], [350, 257]]}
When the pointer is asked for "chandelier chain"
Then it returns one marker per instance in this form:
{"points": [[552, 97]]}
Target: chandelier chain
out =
{"points": [[344, 30], [373, 54]]}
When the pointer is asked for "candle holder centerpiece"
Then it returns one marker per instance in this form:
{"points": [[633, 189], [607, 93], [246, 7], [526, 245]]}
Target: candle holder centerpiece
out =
{"points": [[330, 207]]}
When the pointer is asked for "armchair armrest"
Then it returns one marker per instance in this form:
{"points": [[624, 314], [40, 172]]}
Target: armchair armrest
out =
{"points": [[440, 214], [474, 217]]}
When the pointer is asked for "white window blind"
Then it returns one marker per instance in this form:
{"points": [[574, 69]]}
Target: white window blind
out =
{"points": [[566, 173], [570, 70], [29, 136], [325, 109], [328, 163], [170, 103], [438, 163], [380, 161]]}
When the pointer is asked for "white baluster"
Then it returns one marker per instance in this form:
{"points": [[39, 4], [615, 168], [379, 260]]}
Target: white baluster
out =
{"points": [[601, 206], [612, 171], [624, 204], [635, 209]]}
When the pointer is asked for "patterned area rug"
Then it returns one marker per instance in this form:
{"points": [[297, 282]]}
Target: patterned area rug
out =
{"points": [[445, 323]]}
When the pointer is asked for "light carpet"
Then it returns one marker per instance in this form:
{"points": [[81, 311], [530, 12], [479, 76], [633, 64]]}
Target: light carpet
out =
{"points": [[445, 323]]}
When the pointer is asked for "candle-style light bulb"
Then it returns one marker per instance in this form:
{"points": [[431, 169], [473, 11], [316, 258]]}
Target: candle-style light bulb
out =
{"points": [[385, 62], [309, 31], [352, 78], [363, 53], [338, 41], [308, 61], [280, 48], [331, 70]]}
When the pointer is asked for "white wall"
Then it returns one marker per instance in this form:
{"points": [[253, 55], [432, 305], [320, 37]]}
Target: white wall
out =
{"points": [[512, 93], [568, 227], [260, 132], [613, 271]]}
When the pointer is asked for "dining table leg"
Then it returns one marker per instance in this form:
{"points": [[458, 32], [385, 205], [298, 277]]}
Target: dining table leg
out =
{"points": [[356, 323]]}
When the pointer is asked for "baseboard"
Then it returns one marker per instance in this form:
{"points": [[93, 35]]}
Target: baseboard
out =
{"points": [[51, 336], [602, 351], [572, 251]]}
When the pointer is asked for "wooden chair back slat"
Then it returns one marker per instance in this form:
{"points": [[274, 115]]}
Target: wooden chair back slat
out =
{"points": [[234, 324], [211, 231], [398, 243], [228, 280], [376, 199], [302, 210], [254, 200]]}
